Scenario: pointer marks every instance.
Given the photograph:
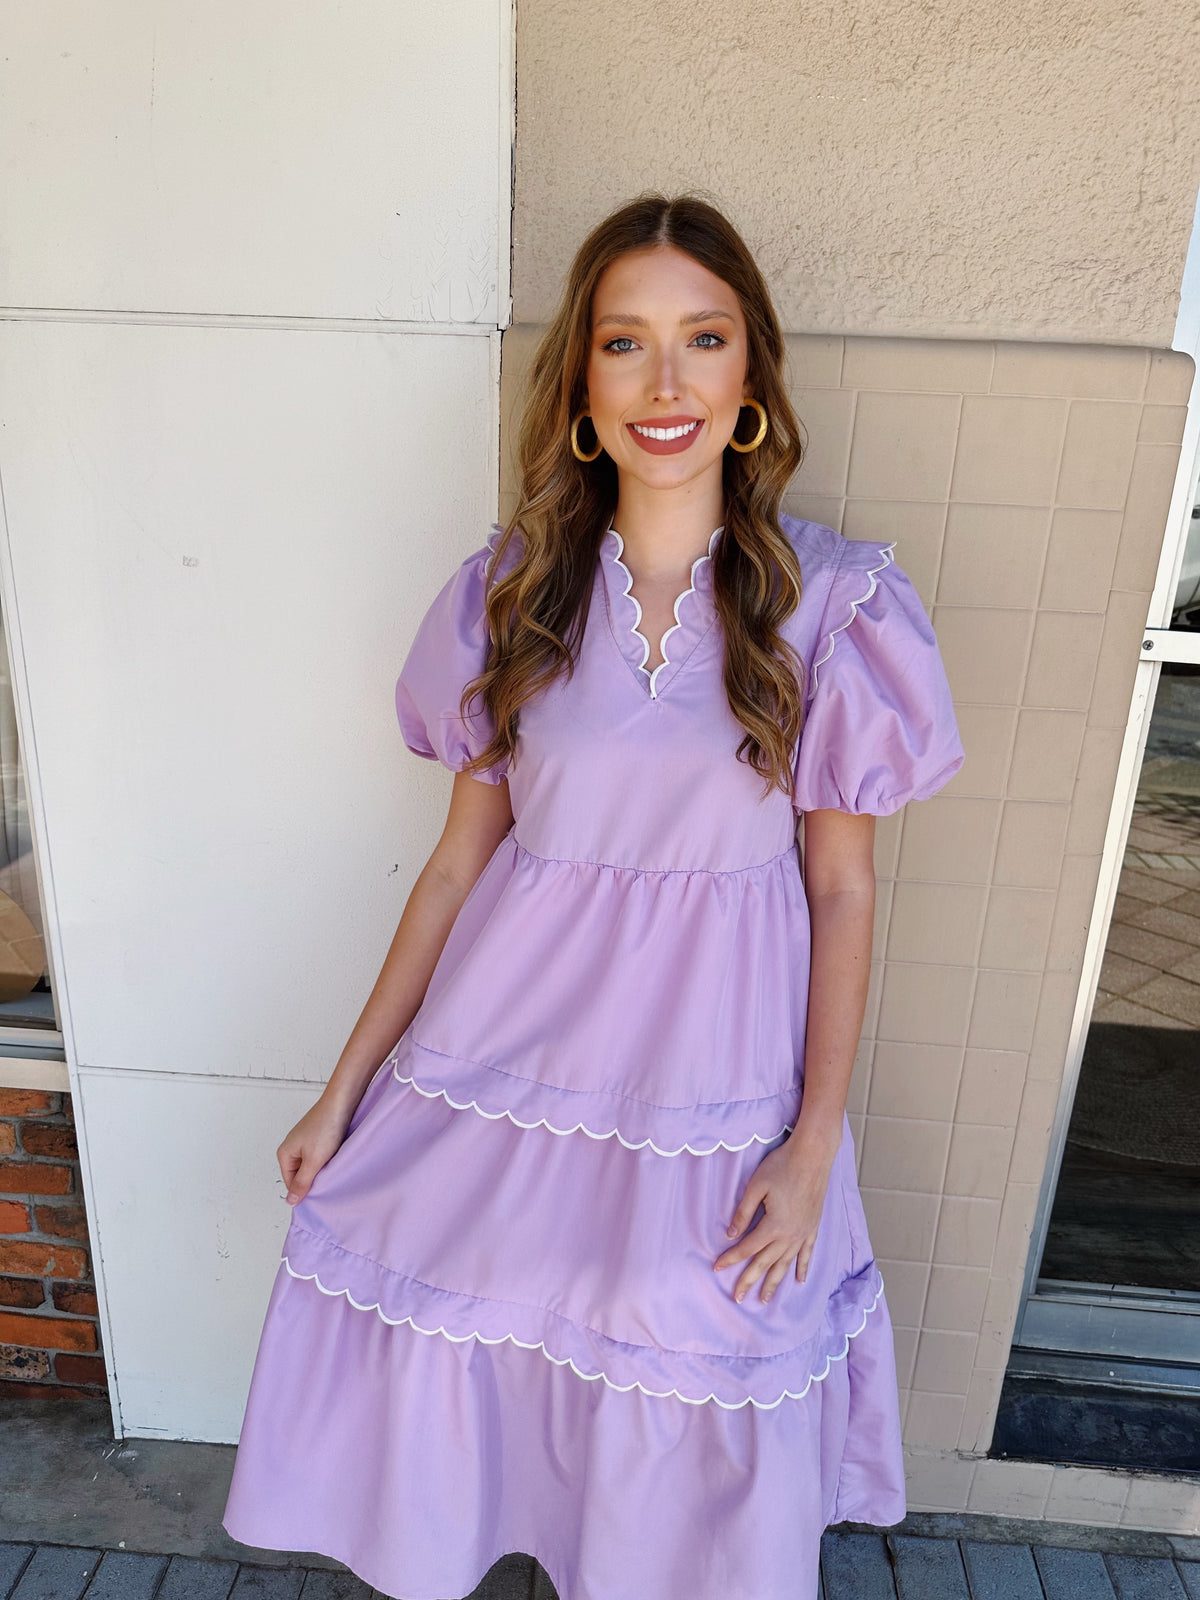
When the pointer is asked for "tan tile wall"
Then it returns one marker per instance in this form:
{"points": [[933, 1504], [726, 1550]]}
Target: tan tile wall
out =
{"points": [[1027, 488]]}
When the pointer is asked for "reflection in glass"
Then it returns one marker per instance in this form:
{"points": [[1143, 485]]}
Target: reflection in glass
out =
{"points": [[1127, 1208], [25, 997]]}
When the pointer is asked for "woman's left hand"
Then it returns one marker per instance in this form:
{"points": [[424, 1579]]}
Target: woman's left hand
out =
{"points": [[790, 1184]]}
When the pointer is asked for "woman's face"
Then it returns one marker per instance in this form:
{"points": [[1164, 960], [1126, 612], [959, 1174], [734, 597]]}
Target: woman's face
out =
{"points": [[668, 355]]}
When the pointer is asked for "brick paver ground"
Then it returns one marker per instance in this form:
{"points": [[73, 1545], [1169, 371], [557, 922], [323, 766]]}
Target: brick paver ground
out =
{"points": [[854, 1566]]}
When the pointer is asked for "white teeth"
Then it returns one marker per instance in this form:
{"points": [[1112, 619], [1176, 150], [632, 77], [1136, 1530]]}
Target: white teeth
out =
{"points": [[664, 433]]}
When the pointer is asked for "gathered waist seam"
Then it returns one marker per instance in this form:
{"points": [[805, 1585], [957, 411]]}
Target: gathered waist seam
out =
{"points": [[655, 872]]}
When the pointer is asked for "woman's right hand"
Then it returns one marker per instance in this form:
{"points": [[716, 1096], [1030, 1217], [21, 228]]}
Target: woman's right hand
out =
{"points": [[309, 1145]]}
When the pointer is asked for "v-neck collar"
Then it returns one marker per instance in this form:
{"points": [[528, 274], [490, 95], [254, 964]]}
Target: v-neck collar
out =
{"points": [[693, 609]]}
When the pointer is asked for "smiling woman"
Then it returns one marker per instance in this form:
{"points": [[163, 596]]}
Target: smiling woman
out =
{"points": [[578, 1264]]}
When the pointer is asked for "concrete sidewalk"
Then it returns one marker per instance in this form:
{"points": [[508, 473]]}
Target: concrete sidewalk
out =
{"points": [[85, 1517]]}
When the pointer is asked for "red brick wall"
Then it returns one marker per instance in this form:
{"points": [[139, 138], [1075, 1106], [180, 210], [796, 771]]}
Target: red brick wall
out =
{"points": [[49, 1334]]}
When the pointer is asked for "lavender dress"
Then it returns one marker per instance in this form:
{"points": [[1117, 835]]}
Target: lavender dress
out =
{"points": [[496, 1325]]}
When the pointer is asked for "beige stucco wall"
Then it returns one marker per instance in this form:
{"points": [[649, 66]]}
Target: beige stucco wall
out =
{"points": [[1026, 486], [1017, 170]]}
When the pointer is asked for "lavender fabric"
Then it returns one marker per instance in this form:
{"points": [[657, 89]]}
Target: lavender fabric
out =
{"points": [[495, 1325]]}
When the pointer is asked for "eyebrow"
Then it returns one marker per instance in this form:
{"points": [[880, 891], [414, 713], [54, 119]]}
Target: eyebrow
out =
{"points": [[621, 319]]}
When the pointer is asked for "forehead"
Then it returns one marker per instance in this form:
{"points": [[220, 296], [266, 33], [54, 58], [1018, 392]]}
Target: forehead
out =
{"points": [[661, 284]]}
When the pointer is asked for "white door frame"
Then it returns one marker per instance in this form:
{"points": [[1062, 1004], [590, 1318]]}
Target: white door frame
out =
{"points": [[1159, 1325]]}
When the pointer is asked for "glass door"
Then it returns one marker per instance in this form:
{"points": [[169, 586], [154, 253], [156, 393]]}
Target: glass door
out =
{"points": [[1114, 1272]]}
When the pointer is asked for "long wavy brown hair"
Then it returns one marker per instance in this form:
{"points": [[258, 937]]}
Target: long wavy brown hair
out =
{"points": [[537, 610]]}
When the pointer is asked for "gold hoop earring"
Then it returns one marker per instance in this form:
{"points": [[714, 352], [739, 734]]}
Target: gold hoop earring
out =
{"points": [[575, 450], [762, 428]]}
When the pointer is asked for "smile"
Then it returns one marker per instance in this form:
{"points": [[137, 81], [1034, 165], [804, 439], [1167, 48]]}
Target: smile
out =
{"points": [[667, 437]]}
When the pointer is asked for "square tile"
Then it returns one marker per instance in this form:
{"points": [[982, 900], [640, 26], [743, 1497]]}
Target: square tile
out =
{"points": [[1030, 851], [903, 1153], [984, 652], [1004, 1009], [1120, 653], [1151, 485], [915, 1080], [951, 366], [1095, 782], [925, 1004], [987, 734], [944, 1363], [904, 1285], [1169, 381], [938, 922], [1062, 662], [828, 419], [1086, 372], [1045, 759], [1016, 933], [933, 1420], [937, 1481], [1098, 454], [1080, 560], [955, 1299], [979, 1158], [1008, 450], [1072, 913], [901, 1225], [1010, 1488], [1162, 424], [903, 446], [993, 555], [990, 1088], [814, 360], [966, 1232], [1017, 1214], [950, 840], [1085, 1494]]}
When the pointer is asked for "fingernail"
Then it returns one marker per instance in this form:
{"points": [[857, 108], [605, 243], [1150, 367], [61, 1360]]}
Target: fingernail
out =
{"points": [[730, 1231]]}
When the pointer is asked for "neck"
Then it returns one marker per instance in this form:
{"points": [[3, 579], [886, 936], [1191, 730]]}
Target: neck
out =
{"points": [[663, 531]]}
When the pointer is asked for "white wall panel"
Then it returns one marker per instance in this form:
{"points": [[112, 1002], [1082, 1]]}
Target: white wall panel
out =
{"points": [[193, 1221], [221, 543], [257, 157]]}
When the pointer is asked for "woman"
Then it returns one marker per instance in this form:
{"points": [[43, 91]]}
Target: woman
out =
{"points": [[579, 1267]]}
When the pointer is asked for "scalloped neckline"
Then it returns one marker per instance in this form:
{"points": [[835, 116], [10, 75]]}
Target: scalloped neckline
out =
{"points": [[635, 646]]}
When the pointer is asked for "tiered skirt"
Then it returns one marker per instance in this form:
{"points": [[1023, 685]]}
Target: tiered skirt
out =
{"points": [[496, 1325]]}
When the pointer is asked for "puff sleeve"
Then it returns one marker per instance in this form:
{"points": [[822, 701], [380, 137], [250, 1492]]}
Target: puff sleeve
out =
{"points": [[880, 728], [449, 648]]}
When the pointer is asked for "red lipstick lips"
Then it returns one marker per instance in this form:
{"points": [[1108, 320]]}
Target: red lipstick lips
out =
{"points": [[680, 433]]}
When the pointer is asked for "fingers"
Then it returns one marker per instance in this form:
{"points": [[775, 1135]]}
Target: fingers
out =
{"points": [[763, 1262], [772, 1257], [297, 1180], [299, 1186], [752, 1196]]}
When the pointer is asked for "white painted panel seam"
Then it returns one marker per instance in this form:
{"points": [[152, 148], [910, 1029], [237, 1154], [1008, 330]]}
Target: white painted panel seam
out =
{"points": [[214, 319]]}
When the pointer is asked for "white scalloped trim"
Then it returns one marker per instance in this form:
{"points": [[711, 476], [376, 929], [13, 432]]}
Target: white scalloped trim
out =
{"points": [[591, 1377], [886, 552], [471, 1105], [629, 595]]}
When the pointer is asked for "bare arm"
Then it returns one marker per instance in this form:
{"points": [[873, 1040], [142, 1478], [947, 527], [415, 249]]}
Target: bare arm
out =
{"points": [[480, 815], [790, 1182], [839, 885]]}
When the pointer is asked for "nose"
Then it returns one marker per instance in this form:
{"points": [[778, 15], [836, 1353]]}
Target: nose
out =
{"points": [[664, 376]]}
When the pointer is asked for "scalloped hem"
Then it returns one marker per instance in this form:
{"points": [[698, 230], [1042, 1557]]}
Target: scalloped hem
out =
{"points": [[475, 1078], [852, 1305], [885, 550], [635, 627]]}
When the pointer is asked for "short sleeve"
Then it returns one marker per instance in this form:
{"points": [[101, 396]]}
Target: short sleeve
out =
{"points": [[880, 728], [449, 649]]}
